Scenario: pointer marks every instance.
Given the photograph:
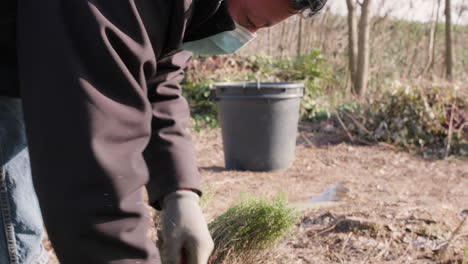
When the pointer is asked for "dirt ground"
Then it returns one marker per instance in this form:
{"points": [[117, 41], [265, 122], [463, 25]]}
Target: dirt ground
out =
{"points": [[399, 208]]}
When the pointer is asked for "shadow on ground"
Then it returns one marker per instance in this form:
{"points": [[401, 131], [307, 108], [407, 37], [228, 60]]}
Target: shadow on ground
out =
{"points": [[324, 134], [213, 169]]}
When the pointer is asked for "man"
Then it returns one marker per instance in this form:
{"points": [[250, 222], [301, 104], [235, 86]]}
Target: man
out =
{"points": [[21, 227], [105, 117]]}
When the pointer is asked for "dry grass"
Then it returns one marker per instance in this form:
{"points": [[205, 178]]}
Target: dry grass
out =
{"points": [[400, 208]]}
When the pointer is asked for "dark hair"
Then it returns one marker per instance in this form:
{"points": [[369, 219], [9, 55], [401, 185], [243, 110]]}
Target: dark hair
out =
{"points": [[308, 7]]}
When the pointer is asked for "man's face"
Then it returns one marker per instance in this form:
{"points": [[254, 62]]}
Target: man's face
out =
{"points": [[256, 14]]}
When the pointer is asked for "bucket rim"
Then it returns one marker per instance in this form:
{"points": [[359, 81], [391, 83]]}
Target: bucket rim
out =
{"points": [[259, 85]]}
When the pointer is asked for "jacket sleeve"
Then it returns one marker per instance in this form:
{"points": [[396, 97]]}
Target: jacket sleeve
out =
{"points": [[84, 67], [170, 155]]}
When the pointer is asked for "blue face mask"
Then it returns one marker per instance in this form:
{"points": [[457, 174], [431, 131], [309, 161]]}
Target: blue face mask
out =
{"points": [[222, 43]]}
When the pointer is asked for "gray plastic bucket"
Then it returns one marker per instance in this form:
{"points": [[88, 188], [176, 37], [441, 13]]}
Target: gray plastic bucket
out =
{"points": [[259, 124]]}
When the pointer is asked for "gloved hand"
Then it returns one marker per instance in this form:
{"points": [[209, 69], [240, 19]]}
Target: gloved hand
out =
{"points": [[184, 229]]}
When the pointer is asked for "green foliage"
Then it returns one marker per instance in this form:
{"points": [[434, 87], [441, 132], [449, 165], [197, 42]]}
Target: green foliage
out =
{"points": [[414, 118], [203, 108], [311, 69], [266, 68], [312, 110], [251, 226], [311, 66]]}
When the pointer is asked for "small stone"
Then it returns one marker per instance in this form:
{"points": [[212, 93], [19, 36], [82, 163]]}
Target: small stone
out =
{"points": [[329, 128], [464, 213]]}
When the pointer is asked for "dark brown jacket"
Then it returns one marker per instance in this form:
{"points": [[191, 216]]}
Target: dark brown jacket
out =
{"points": [[104, 112], [166, 24], [117, 47]]}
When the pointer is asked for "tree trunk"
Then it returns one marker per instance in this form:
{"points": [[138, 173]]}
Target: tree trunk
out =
{"points": [[432, 38], [362, 74], [269, 41], [448, 40], [352, 41], [323, 30], [435, 36], [462, 8], [281, 46], [299, 39]]}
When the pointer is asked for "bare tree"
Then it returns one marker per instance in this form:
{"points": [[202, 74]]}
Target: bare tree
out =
{"points": [[283, 31], [448, 40], [269, 41], [358, 38], [432, 38], [299, 40], [462, 8], [362, 73], [352, 40]]}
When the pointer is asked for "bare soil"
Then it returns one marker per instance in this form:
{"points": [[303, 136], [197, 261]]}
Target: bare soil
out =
{"points": [[400, 208]]}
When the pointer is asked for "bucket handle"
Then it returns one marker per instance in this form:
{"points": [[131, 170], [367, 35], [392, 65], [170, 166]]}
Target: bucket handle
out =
{"points": [[258, 86]]}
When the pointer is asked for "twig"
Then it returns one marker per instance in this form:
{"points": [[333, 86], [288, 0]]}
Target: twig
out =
{"points": [[455, 233], [339, 258], [359, 140], [345, 243], [383, 251], [344, 127], [461, 130], [405, 254], [337, 221], [370, 254], [386, 145], [309, 143], [450, 132], [361, 126]]}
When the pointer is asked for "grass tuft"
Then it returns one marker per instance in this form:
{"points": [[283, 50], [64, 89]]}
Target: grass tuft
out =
{"points": [[465, 256], [247, 229]]}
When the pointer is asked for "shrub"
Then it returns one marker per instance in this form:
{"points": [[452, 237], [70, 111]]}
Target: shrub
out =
{"points": [[203, 108], [311, 69], [414, 117]]}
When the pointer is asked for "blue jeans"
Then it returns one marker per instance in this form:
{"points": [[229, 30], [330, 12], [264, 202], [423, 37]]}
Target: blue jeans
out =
{"points": [[21, 227]]}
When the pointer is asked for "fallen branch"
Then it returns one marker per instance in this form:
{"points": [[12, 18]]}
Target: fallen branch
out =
{"points": [[344, 127], [443, 249], [345, 243], [389, 146], [450, 132], [306, 139], [358, 124]]}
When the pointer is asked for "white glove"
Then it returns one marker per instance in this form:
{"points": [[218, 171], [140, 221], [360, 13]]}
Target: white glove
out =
{"points": [[184, 229]]}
